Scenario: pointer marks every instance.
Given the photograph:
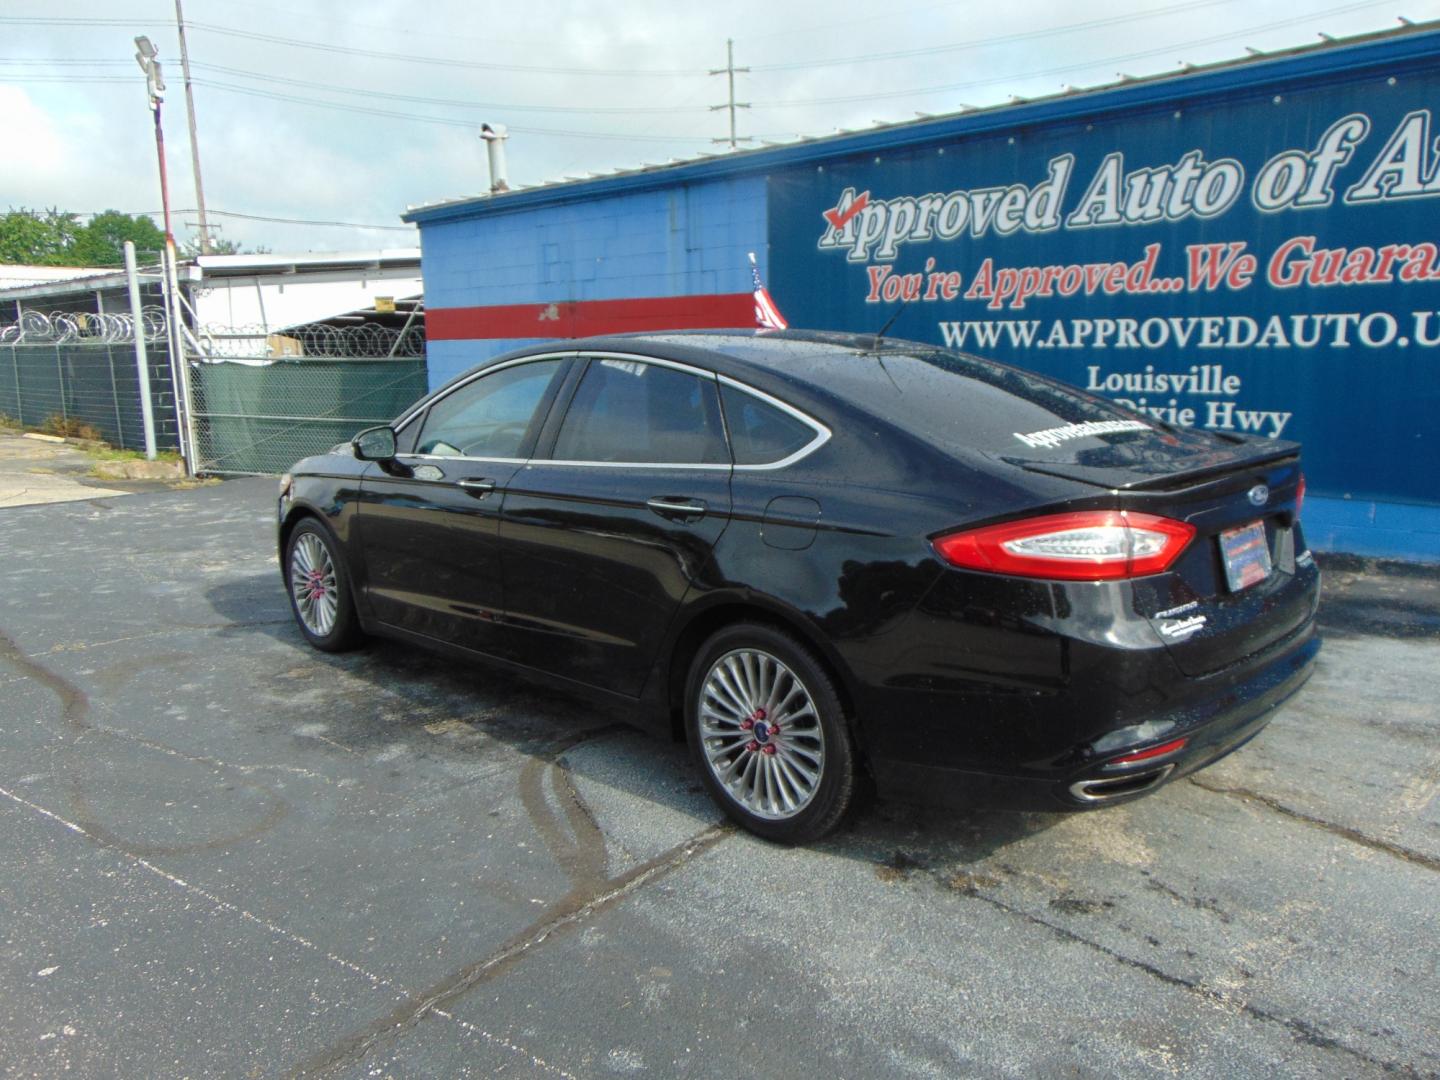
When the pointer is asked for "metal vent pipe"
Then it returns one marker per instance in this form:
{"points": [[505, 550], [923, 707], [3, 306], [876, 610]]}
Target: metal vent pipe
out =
{"points": [[495, 136]]}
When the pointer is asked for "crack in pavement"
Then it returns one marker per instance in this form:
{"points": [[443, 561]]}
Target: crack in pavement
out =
{"points": [[1345, 832], [288, 935], [1301, 1030], [579, 849], [353, 1050], [170, 631], [74, 715]]}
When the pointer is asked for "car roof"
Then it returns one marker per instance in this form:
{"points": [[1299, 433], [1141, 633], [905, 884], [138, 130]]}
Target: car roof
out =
{"points": [[784, 352], [828, 369], [816, 369]]}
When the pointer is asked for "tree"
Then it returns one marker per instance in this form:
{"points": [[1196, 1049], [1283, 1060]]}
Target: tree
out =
{"points": [[54, 238], [35, 239], [102, 241]]}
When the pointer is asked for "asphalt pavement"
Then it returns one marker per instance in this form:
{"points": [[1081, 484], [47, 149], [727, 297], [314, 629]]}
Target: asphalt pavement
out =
{"points": [[225, 854]]}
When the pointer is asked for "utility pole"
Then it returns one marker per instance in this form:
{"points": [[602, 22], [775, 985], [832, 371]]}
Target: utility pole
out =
{"points": [[729, 71], [194, 141]]}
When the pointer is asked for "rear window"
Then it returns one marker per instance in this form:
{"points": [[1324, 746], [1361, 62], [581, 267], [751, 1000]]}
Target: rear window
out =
{"points": [[955, 400]]}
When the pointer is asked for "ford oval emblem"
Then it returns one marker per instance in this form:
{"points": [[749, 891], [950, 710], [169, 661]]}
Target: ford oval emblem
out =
{"points": [[1259, 494]]}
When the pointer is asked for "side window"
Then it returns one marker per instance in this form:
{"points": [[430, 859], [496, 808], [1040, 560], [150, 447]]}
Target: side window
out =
{"points": [[490, 416], [627, 410], [761, 434]]}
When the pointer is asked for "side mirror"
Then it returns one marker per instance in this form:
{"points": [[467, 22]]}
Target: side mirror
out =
{"points": [[375, 444]]}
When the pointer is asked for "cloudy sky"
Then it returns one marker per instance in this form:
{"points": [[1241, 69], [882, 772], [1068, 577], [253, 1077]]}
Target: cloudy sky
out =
{"points": [[331, 111]]}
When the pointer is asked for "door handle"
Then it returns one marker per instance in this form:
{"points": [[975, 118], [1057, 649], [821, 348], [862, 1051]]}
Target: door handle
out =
{"points": [[478, 488], [676, 507]]}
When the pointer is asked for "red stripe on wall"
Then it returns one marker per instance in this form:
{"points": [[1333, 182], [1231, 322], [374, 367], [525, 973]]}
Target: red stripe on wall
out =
{"points": [[584, 318]]}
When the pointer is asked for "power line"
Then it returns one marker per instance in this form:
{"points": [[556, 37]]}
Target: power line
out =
{"points": [[62, 61], [377, 54], [361, 110], [458, 103], [67, 78], [999, 39], [304, 221], [263, 217], [351, 24], [1067, 68], [366, 92], [429, 119], [384, 95], [350, 50]]}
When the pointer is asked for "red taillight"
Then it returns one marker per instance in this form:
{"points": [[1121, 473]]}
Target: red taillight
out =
{"points": [[1088, 545], [1299, 495], [1152, 752]]}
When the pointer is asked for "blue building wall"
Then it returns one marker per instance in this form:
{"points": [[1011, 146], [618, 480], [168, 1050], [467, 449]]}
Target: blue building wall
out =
{"points": [[686, 240]]}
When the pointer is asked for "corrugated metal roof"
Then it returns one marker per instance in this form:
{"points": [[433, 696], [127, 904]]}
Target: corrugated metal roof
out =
{"points": [[278, 262], [211, 267], [19, 275]]}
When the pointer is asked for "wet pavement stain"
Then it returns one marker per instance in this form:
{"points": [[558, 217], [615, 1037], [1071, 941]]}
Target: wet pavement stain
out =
{"points": [[81, 734], [576, 842], [970, 884], [1076, 905], [898, 866]]}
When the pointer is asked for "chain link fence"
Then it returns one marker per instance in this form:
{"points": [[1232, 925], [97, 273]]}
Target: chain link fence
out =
{"points": [[262, 400], [259, 399], [68, 371]]}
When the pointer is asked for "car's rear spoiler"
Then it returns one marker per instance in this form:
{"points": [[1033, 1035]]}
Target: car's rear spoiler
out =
{"points": [[1168, 474]]}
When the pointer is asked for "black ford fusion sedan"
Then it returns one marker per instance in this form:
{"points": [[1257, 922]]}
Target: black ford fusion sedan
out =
{"points": [[824, 559]]}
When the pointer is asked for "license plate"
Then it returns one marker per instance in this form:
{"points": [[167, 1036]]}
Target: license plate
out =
{"points": [[1247, 555]]}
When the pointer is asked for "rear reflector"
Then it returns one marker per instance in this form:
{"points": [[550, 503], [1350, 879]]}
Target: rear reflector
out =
{"points": [[1299, 495], [1153, 752], [1089, 545]]}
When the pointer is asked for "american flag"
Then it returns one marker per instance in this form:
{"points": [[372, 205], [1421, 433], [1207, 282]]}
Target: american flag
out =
{"points": [[767, 315]]}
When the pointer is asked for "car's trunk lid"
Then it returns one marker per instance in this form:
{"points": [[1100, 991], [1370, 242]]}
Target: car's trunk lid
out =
{"points": [[1238, 587]]}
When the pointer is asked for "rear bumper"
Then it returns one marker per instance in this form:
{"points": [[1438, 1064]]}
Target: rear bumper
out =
{"points": [[1213, 725]]}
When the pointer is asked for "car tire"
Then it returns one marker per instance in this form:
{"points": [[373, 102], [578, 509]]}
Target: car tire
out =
{"points": [[318, 583], [769, 734]]}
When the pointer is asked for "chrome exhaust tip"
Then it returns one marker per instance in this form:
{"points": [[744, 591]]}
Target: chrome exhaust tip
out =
{"points": [[1104, 790]]}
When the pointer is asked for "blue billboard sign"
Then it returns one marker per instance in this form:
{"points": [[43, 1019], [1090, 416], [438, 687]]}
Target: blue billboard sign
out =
{"points": [[1263, 263]]}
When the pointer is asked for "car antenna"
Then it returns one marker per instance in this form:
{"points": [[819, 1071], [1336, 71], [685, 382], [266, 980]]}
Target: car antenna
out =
{"points": [[889, 323]]}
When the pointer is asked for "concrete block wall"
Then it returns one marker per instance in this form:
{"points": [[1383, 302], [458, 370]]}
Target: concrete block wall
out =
{"points": [[496, 280]]}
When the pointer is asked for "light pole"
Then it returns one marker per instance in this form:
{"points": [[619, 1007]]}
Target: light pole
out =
{"points": [[145, 56]]}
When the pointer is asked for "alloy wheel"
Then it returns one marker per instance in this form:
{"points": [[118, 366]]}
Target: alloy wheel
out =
{"points": [[760, 734], [313, 584]]}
